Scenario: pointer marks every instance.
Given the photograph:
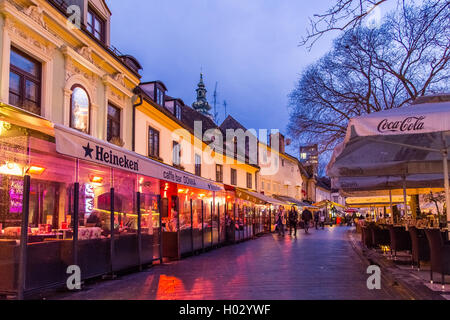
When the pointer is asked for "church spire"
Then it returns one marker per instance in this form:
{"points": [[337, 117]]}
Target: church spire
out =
{"points": [[202, 105]]}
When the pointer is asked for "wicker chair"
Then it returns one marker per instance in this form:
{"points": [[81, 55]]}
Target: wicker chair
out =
{"points": [[380, 236], [400, 240], [420, 247], [366, 236], [440, 254]]}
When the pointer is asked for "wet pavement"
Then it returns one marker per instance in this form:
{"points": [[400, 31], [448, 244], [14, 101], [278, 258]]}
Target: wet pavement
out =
{"points": [[322, 265]]}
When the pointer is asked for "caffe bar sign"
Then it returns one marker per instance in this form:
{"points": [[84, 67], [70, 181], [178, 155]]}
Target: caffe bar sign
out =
{"points": [[72, 143]]}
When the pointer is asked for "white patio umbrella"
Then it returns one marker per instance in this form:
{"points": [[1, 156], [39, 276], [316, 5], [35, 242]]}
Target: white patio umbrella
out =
{"points": [[409, 142], [369, 183]]}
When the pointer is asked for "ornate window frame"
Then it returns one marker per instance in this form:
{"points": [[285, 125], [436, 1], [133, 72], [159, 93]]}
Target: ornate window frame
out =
{"points": [[89, 130], [35, 45]]}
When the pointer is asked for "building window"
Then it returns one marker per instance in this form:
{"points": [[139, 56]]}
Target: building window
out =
{"points": [[153, 143], [176, 154], [282, 162], [198, 165], [262, 185], [96, 25], [234, 177], [113, 125], [80, 109], [219, 173], [160, 97], [25, 82], [249, 181], [177, 111]]}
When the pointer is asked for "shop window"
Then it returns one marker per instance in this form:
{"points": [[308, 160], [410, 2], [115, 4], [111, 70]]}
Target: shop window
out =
{"points": [[219, 173], [79, 109], [198, 165], [176, 154], [234, 177], [249, 181], [153, 143], [150, 218], [113, 125], [51, 194], [25, 82], [96, 25]]}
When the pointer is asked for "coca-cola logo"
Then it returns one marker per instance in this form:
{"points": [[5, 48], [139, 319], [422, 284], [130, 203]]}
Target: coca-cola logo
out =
{"points": [[408, 124]]}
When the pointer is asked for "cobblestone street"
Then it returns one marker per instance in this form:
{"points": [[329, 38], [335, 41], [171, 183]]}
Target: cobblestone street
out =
{"points": [[321, 265]]}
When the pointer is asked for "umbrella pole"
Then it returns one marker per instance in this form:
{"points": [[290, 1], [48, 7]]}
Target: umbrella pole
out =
{"points": [[392, 208], [446, 184], [404, 196]]}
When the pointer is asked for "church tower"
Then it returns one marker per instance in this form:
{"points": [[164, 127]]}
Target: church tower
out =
{"points": [[202, 105]]}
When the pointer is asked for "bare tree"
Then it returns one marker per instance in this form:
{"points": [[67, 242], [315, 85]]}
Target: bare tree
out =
{"points": [[437, 199], [372, 69], [345, 15]]}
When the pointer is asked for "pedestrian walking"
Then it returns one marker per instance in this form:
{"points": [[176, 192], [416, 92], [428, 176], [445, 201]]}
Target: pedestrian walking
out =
{"points": [[293, 219], [316, 219], [280, 224], [307, 217], [322, 219]]}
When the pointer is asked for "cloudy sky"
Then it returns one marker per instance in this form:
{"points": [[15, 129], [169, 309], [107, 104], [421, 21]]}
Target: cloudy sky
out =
{"points": [[250, 47]]}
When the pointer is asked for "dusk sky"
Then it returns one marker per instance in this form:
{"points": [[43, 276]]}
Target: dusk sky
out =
{"points": [[249, 47]]}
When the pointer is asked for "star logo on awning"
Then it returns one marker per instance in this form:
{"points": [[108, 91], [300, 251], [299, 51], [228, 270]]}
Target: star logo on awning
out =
{"points": [[88, 151]]}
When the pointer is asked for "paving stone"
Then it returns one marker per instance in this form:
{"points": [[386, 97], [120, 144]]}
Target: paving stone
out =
{"points": [[322, 265]]}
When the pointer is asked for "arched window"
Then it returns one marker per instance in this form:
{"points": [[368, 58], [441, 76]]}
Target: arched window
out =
{"points": [[79, 109]]}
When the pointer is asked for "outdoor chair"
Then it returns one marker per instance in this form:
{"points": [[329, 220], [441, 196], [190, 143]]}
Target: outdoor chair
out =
{"points": [[366, 236], [420, 247], [380, 236], [400, 240], [440, 254]]}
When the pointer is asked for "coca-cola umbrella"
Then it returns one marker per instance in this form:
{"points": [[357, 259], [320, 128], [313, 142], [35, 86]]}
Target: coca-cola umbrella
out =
{"points": [[407, 142]]}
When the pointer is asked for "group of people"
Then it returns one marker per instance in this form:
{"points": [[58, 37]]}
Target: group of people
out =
{"points": [[293, 220]]}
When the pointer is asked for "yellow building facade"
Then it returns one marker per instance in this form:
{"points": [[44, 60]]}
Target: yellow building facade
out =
{"points": [[154, 119], [63, 73]]}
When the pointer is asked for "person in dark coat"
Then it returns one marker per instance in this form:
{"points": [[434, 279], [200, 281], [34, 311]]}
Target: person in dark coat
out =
{"points": [[307, 217], [316, 219], [293, 219], [279, 223]]}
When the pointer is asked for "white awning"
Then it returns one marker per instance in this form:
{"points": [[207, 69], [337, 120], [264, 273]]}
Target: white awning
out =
{"points": [[409, 143], [406, 140], [73, 143]]}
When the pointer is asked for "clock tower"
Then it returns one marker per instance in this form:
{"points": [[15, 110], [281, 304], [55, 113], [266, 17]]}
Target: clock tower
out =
{"points": [[202, 105]]}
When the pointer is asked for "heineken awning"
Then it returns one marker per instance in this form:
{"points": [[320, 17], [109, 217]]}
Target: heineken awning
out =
{"points": [[73, 143]]}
